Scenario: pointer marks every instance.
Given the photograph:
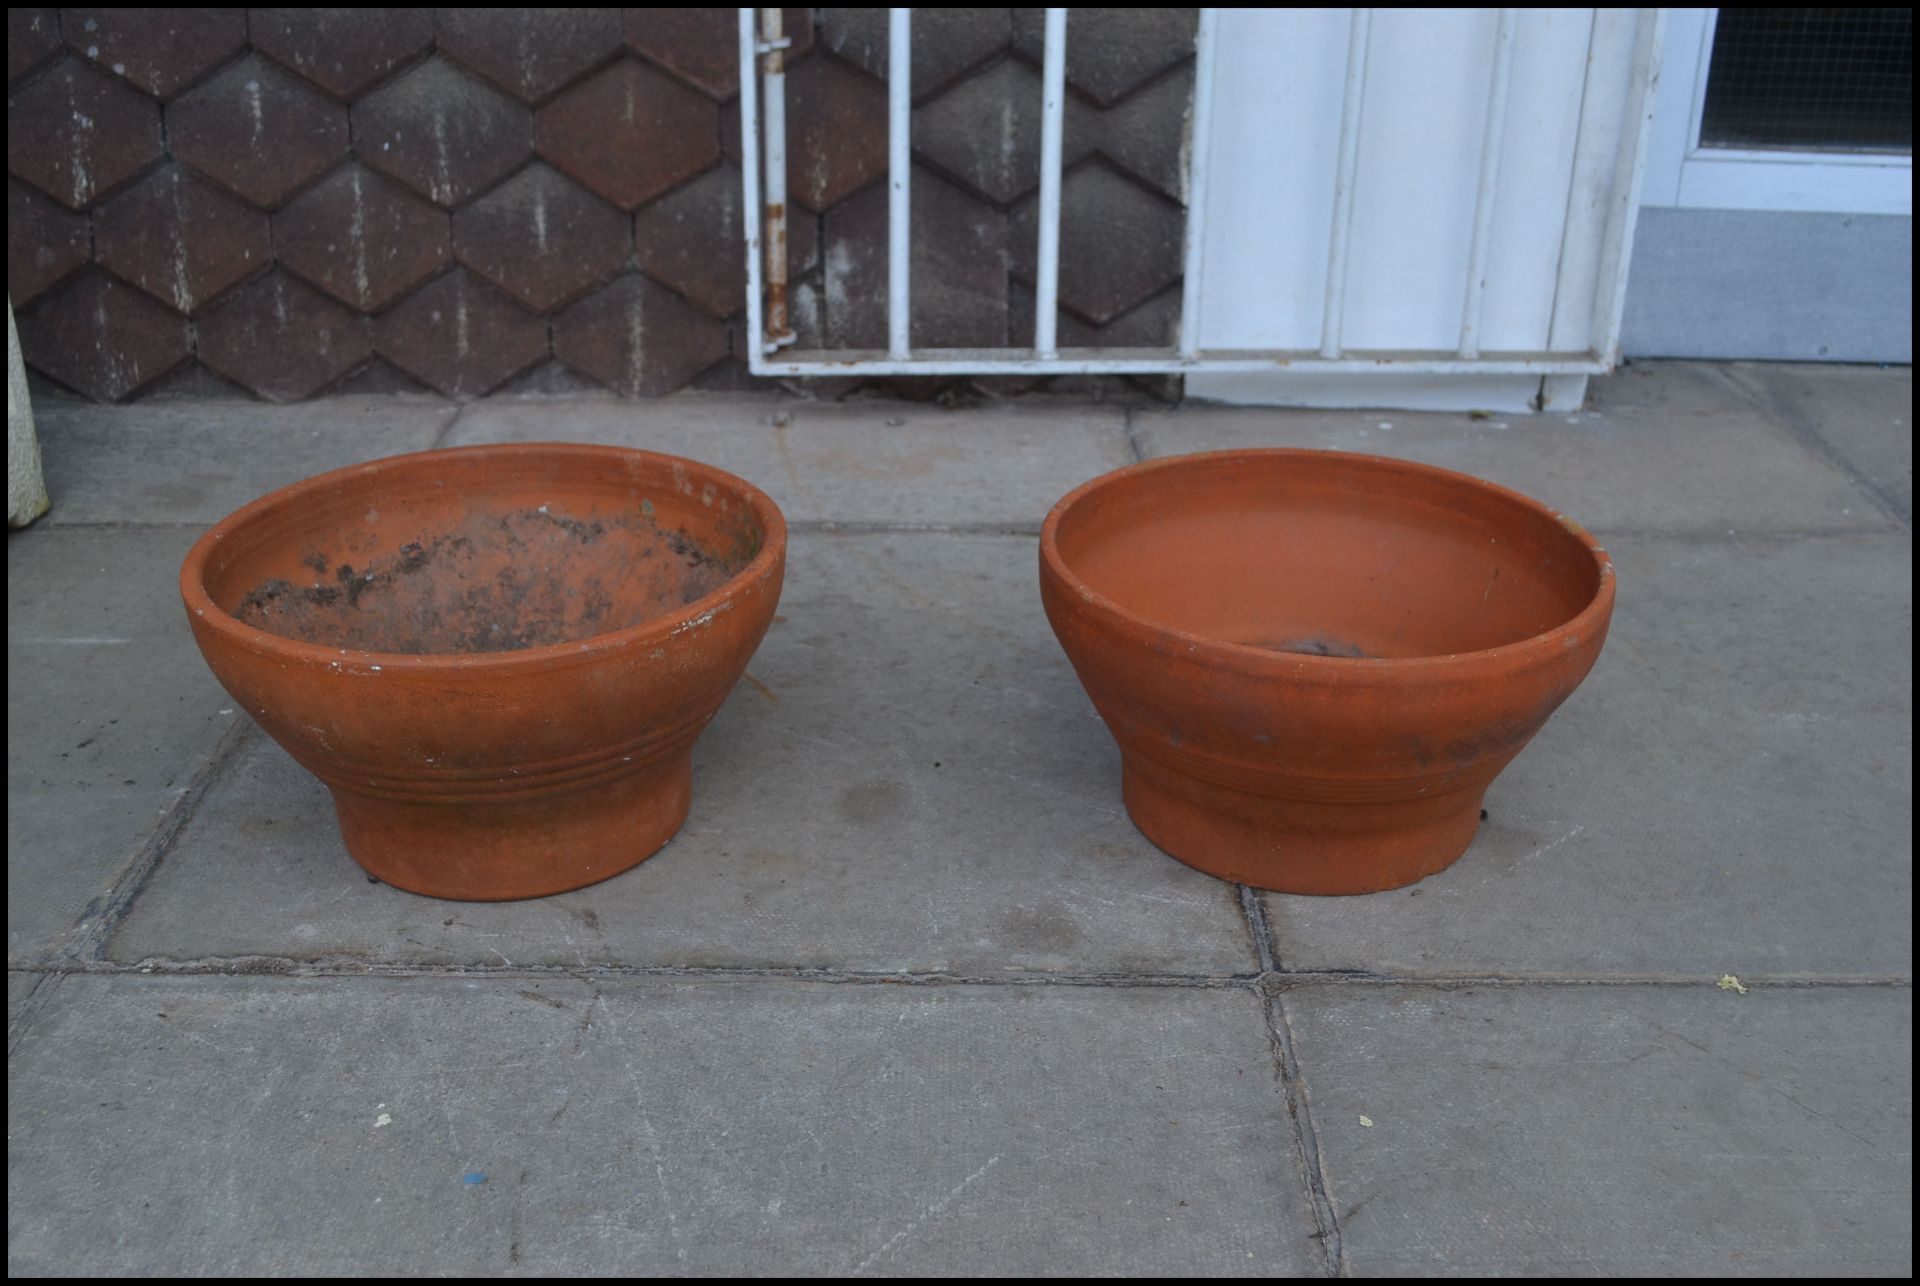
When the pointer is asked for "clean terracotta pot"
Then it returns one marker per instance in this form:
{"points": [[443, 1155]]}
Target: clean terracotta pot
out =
{"points": [[1314, 662], [496, 658]]}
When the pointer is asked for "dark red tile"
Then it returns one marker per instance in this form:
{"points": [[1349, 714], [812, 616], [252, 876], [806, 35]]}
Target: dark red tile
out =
{"points": [[77, 134], [530, 53], [282, 338], [1119, 244], [629, 133], [460, 336], [257, 131], [947, 43], [958, 267], [702, 46], [363, 239], [1112, 52], [692, 240], [162, 50], [343, 51], [638, 337], [45, 244], [33, 36], [102, 338], [542, 238], [441, 132], [180, 239], [836, 132]]}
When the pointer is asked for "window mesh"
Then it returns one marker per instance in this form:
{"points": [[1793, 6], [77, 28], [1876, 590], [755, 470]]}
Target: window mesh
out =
{"points": [[1816, 79]]}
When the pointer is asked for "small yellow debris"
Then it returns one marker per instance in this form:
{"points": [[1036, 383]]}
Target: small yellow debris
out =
{"points": [[1367, 1121], [1730, 983], [382, 1119]]}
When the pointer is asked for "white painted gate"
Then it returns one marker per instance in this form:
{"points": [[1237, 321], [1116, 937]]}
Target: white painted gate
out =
{"points": [[1398, 194]]}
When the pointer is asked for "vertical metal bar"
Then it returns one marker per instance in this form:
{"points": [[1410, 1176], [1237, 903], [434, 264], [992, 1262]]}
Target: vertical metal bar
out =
{"points": [[1489, 184], [1053, 107], [1333, 314], [774, 44], [1616, 247], [750, 212], [1205, 50], [899, 177]]}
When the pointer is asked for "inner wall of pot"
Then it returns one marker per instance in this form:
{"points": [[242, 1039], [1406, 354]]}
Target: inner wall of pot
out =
{"points": [[477, 555], [1330, 556]]}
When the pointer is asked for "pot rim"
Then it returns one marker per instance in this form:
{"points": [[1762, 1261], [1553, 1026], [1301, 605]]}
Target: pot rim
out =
{"points": [[200, 604], [1581, 628]]}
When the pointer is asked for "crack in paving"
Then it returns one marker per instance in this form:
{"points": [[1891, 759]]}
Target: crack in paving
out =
{"points": [[1802, 431]]}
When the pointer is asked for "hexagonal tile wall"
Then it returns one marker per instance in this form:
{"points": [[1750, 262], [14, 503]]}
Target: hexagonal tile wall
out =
{"points": [[581, 169], [77, 134], [46, 244], [361, 238], [283, 339], [530, 53], [160, 50], [542, 238], [630, 132], [344, 51], [102, 338], [180, 239], [257, 131], [638, 337], [460, 336], [441, 132], [33, 36]]}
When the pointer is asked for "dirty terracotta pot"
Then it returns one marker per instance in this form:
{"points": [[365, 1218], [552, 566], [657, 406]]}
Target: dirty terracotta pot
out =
{"points": [[1316, 662], [496, 658]]}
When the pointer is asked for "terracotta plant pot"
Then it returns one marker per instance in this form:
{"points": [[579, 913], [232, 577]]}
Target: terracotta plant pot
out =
{"points": [[496, 658], [1315, 663]]}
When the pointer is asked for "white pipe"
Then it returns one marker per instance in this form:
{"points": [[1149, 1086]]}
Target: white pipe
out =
{"points": [[1205, 51], [750, 210], [1333, 316], [773, 45], [1053, 109], [899, 177], [1489, 184]]}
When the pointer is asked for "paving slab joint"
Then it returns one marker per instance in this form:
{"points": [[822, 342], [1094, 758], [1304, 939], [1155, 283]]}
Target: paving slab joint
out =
{"points": [[87, 939], [1136, 434], [1803, 432], [1309, 1159]]}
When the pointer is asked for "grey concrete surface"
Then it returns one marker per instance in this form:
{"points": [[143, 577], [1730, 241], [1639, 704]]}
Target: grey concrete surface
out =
{"points": [[1613, 1131], [1714, 799], [684, 1128], [1636, 469], [910, 694], [109, 714], [908, 993], [1863, 414], [196, 462], [855, 462]]}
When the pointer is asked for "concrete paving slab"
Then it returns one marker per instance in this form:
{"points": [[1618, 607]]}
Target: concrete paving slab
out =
{"points": [[1730, 791], [1653, 387], [1863, 413], [910, 779], [1734, 470], [1603, 1131], [110, 711], [847, 462], [433, 1126], [196, 462]]}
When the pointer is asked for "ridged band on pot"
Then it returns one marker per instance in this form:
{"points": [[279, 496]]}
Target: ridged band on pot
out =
{"points": [[498, 774], [1331, 773]]}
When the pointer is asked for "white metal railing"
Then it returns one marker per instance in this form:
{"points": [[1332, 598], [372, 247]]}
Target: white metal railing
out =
{"points": [[762, 66]]}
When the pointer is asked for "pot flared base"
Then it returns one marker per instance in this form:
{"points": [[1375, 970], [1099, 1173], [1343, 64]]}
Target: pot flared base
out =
{"points": [[531, 845], [1295, 846]]}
